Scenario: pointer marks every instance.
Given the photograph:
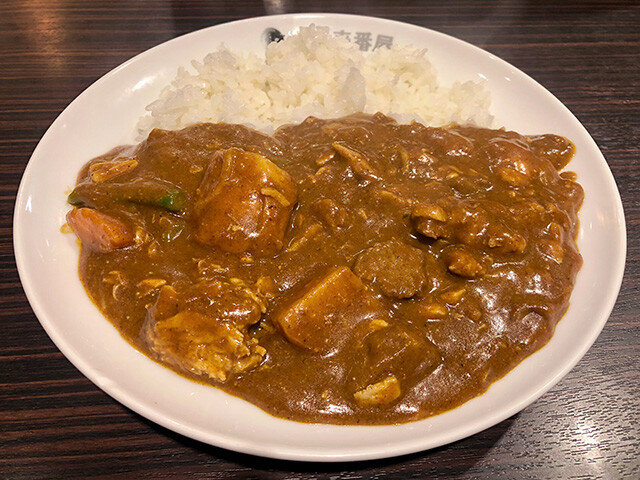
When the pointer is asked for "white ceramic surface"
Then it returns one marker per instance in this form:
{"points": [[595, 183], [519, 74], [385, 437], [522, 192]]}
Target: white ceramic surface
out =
{"points": [[105, 115]]}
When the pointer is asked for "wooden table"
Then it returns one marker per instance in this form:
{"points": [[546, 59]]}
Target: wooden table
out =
{"points": [[55, 423]]}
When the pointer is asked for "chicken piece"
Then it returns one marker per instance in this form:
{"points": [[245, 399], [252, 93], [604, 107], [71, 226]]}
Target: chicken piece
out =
{"points": [[202, 345], [167, 304], [357, 161], [394, 267], [99, 231], [233, 301], [514, 163], [463, 263], [321, 316], [103, 171], [502, 238], [479, 224], [203, 329], [236, 303], [443, 141], [244, 203], [333, 214], [383, 392], [392, 350], [558, 150]]}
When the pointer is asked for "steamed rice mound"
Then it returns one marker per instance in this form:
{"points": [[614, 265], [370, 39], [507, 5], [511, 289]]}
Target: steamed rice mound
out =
{"points": [[314, 73]]}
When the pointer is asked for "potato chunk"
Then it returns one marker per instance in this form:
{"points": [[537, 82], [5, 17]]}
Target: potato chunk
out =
{"points": [[244, 203], [385, 391], [321, 317], [202, 345]]}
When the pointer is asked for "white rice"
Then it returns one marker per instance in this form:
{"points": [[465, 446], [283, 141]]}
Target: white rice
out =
{"points": [[314, 73]]}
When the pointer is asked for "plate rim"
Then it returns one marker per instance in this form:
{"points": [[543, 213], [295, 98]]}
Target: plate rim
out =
{"points": [[383, 451]]}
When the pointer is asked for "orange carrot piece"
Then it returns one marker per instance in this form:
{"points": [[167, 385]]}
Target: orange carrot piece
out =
{"points": [[99, 231]]}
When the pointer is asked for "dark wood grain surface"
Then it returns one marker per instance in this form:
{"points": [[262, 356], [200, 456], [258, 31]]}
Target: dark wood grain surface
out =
{"points": [[54, 423]]}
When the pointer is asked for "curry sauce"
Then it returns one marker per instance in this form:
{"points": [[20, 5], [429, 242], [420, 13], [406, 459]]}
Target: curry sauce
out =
{"points": [[349, 271]]}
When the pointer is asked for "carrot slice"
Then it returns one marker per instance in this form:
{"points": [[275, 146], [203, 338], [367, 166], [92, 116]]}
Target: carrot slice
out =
{"points": [[99, 231]]}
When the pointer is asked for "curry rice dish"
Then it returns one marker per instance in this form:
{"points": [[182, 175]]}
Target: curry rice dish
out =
{"points": [[348, 271]]}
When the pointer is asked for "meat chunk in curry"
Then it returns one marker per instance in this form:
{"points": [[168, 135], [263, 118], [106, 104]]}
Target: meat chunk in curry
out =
{"points": [[204, 330], [345, 271], [394, 267], [244, 203], [202, 345]]}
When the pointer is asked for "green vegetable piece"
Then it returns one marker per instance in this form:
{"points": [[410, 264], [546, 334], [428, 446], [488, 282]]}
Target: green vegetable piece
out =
{"points": [[151, 193], [173, 201], [74, 199]]}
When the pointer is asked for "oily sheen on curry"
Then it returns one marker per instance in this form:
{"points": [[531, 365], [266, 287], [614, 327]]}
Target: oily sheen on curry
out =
{"points": [[349, 271]]}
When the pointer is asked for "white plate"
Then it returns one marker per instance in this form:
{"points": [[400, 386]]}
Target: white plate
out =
{"points": [[105, 115]]}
